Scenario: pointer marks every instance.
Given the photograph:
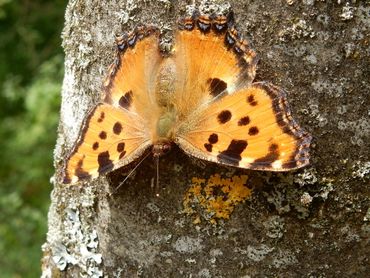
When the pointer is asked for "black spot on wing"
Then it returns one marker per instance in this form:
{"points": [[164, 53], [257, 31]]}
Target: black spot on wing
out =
{"points": [[213, 138], [232, 155], [244, 121], [80, 173], [122, 154], [253, 131], [273, 148], [208, 147], [268, 159], [251, 100], [224, 116], [126, 100], [101, 118], [103, 135], [216, 86], [95, 146], [105, 164], [120, 147], [117, 128]]}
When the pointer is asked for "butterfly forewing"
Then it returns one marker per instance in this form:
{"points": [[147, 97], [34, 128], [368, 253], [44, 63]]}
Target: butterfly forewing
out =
{"points": [[132, 79], [210, 59]]}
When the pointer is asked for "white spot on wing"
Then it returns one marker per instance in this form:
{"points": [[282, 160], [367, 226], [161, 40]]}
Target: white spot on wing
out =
{"points": [[277, 164]]}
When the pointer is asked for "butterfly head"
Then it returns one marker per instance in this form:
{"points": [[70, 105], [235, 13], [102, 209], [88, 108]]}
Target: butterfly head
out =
{"points": [[161, 148]]}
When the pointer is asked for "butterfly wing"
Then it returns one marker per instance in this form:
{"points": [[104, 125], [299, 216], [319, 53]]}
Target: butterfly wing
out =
{"points": [[110, 138], [118, 130], [211, 59], [251, 128], [132, 78]]}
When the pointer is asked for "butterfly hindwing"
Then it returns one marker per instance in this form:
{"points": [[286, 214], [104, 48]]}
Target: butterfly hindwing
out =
{"points": [[110, 138], [251, 128]]}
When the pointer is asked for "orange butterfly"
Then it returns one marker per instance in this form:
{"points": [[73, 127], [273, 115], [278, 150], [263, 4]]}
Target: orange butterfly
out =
{"points": [[200, 96]]}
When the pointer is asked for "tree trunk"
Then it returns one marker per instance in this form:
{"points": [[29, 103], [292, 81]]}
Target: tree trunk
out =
{"points": [[310, 223]]}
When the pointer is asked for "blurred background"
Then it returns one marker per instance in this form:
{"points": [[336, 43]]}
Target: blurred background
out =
{"points": [[31, 73]]}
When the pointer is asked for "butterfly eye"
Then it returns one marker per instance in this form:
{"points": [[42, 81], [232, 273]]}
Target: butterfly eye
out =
{"points": [[166, 149]]}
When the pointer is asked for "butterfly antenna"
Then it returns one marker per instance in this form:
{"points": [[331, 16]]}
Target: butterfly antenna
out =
{"points": [[130, 173], [157, 185]]}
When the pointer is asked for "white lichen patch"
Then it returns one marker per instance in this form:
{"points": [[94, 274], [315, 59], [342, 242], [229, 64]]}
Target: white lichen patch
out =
{"points": [[61, 257], [308, 2], [209, 7], [278, 199], [347, 12], [348, 234], [286, 196], [214, 253], [71, 241], [360, 127], [361, 170], [78, 247], [297, 30], [274, 226], [283, 259], [190, 261], [367, 215], [123, 16], [131, 5], [306, 199], [328, 87], [325, 189], [258, 253], [186, 244], [307, 177], [87, 199], [204, 273]]}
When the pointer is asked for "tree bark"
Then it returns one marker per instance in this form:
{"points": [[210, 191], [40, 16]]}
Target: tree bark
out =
{"points": [[310, 223]]}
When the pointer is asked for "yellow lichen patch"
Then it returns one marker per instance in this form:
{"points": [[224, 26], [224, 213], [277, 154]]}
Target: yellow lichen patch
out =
{"points": [[215, 198]]}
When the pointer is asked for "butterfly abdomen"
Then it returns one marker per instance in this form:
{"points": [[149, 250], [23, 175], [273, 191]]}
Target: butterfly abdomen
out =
{"points": [[165, 83]]}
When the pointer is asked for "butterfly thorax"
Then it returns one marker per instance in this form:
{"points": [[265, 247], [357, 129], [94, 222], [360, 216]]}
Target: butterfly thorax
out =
{"points": [[164, 134], [165, 127]]}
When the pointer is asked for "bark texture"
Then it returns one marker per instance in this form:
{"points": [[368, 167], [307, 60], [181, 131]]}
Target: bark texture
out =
{"points": [[311, 223]]}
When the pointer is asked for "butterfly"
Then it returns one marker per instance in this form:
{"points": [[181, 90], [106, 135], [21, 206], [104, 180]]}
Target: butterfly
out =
{"points": [[200, 96]]}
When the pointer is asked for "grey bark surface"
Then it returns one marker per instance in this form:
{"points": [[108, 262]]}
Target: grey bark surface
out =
{"points": [[310, 223]]}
